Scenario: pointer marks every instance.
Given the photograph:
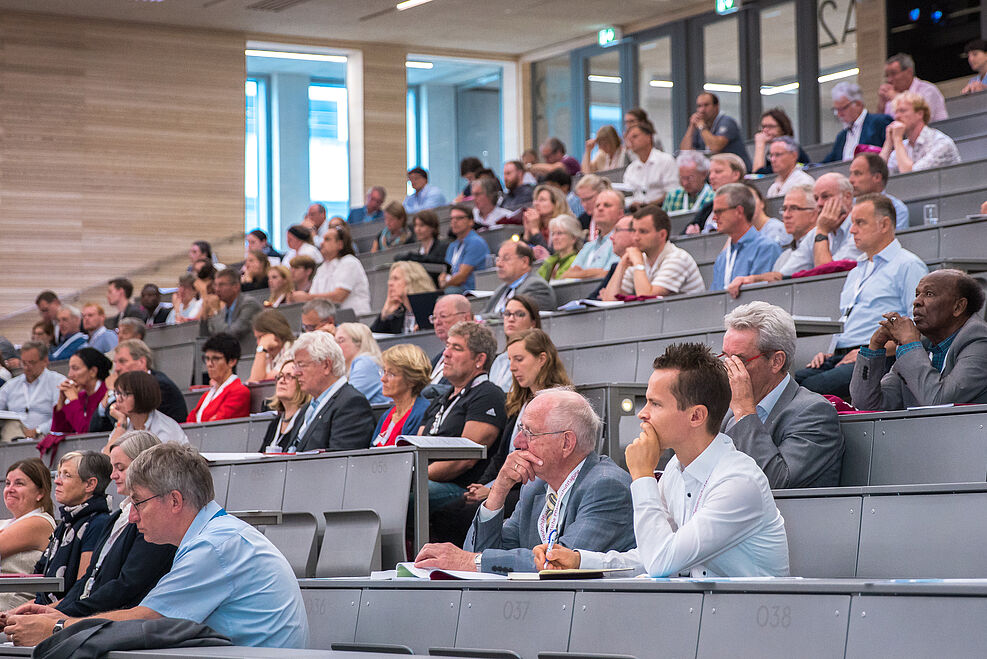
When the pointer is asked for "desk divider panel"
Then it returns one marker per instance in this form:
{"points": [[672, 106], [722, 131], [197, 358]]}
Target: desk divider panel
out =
{"points": [[634, 321], [220, 482], [177, 362], [615, 362], [823, 533], [382, 483], [963, 240], [642, 625], [683, 314], [419, 619], [858, 445], [951, 448], [256, 486], [910, 626], [528, 621], [314, 486], [817, 296], [769, 625], [578, 328], [226, 437], [778, 295], [332, 615]]}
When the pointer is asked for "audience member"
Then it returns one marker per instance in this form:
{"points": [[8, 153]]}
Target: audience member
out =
{"points": [[227, 398], [610, 153], [899, 76], [319, 315], [73, 339], [395, 232], [225, 574], [587, 188], [693, 191], [301, 242], [79, 394], [448, 310], [431, 249], [724, 168], [396, 316], [748, 252], [653, 173], [48, 305], [157, 312], [137, 398], [975, 53], [187, 304], [363, 362], [621, 237], [43, 332], [32, 394], [404, 376], [869, 175], [280, 284], [570, 494], [287, 401], [520, 314], [561, 180], [596, 256], [774, 123], [735, 530], [473, 408], [80, 487], [769, 227], [425, 195], [652, 266], [134, 355], [783, 153], [635, 116], [565, 236], [341, 278], [339, 417], [274, 339], [94, 325], [315, 222], [302, 273], [883, 282], [554, 156], [231, 312], [201, 250], [710, 130], [792, 433], [860, 127], [469, 168], [832, 241], [118, 292], [549, 202], [371, 211], [517, 193], [486, 212], [255, 268], [465, 254], [516, 271], [941, 352], [27, 495], [257, 239], [910, 145]]}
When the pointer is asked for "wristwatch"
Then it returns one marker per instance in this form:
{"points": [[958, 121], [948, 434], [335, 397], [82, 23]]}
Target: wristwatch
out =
{"points": [[821, 237], [59, 626], [478, 562], [639, 266]]}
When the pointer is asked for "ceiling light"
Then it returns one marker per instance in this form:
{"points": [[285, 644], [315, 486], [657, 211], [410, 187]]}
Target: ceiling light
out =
{"points": [[666, 84], [839, 74], [307, 57], [418, 65], [780, 89], [408, 4], [717, 87], [614, 80]]}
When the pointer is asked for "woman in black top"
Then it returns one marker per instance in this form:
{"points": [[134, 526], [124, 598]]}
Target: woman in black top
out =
{"points": [[405, 278]]}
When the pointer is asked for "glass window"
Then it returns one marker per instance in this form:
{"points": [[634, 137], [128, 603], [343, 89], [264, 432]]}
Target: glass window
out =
{"points": [[552, 99], [329, 171], [256, 182], [721, 65], [411, 112], [603, 93], [654, 76], [779, 61], [837, 58]]}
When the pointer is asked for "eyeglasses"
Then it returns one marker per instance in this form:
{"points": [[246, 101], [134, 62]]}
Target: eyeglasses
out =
{"points": [[770, 127], [745, 360], [780, 154], [837, 110], [284, 377], [528, 435], [120, 394], [137, 504], [795, 209], [513, 314], [619, 230], [390, 374]]}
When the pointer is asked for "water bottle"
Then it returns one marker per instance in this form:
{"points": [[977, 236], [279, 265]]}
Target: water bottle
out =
{"points": [[930, 213]]}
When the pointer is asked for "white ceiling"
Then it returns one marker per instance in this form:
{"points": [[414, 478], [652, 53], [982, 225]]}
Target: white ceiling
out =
{"points": [[502, 26]]}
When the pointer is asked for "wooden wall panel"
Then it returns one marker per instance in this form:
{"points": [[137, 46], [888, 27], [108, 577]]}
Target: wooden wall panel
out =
{"points": [[384, 127], [118, 143]]}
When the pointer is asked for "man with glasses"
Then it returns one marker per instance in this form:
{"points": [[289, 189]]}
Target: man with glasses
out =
{"points": [[861, 127], [783, 153], [570, 494], [899, 76], [135, 355], [514, 269], [319, 315], [466, 254], [448, 310], [32, 394], [236, 313], [792, 433], [596, 256], [748, 252], [621, 238]]}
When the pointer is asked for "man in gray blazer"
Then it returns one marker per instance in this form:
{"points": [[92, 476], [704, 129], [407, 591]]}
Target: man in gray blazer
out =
{"points": [[941, 355], [514, 267], [570, 492], [792, 433], [238, 315]]}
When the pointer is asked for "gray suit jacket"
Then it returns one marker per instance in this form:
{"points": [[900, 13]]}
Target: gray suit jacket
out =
{"points": [[599, 516], [912, 381], [241, 323], [800, 443], [533, 286]]}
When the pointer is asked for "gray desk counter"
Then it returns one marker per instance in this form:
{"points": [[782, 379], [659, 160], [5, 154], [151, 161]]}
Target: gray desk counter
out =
{"points": [[27, 584]]}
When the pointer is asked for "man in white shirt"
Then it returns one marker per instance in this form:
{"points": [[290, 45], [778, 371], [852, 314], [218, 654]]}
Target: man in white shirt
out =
{"points": [[485, 208], [832, 241], [653, 265], [899, 76], [784, 154], [653, 174], [32, 394], [711, 513]]}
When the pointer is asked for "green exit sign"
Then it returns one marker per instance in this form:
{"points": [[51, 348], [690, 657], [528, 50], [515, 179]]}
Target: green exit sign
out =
{"points": [[727, 6], [608, 36]]}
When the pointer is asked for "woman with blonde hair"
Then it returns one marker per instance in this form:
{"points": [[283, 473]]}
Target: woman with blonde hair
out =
{"points": [[407, 371], [274, 339], [405, 278], [255, 267], [548, 201], [566, 236], [610, 152], [281, 284], [288, 399], [363, 359]]}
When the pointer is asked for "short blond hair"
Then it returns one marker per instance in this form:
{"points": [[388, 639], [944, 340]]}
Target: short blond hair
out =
{"points": [[413, 363], [919, 104], [416, 279]]}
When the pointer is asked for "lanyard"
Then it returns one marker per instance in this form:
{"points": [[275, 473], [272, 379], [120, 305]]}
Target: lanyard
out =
{"points": [[547, 524], [457, 254], [388, 427], [449, 404], [857, 288], [730, 260]]}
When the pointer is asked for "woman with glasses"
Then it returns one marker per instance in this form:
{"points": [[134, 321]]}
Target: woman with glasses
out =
{"points": [[274, 340], [287, 401], [405, 278], [407, 371], [534, 365], [520, 314], [79, 394], [565, 234], [227, 398], [362, 360], [27, 495], [548, 202], [774, 123], [138, 396]]}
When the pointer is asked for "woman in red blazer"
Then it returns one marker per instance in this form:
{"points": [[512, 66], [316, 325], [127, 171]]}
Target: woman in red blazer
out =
{"points": [[227, 398]]}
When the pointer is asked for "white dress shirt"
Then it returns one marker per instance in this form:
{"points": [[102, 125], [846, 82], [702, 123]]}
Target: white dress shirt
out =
{"points": [[853, 135], [35, 400], [652, 178], [714, 518]]}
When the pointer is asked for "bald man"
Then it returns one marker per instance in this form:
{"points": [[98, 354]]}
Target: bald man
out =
{"points": [[596, 256]]}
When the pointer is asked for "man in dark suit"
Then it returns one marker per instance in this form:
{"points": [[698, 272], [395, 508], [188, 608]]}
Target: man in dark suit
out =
{"points": [[514, 268], [339, 417], [570, 492], [236, 315], [860, 127], [792, 433], [118, 292], [941, 355]]}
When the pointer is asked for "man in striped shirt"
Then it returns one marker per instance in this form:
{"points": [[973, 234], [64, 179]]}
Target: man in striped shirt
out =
{"points": [[693, 191]]}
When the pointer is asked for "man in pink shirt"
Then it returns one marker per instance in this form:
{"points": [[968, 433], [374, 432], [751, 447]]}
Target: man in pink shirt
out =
{"points": [[899, 75]]}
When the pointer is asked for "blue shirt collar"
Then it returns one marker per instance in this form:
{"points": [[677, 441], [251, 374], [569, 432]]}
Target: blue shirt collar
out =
{"points": [[517, 282], [201, 519], [887, 254], [747, 237], [771, 399]]}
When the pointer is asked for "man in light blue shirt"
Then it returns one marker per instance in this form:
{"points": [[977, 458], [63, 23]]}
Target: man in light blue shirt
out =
{"points": [[425, 196], [596, 256], [93, 323], [749, 251], [884, 281], [225, 574], [869, 175], [466, 254], [373, 210]]}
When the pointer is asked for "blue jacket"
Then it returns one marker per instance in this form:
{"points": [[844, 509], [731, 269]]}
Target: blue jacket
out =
{"points": [[872, 132], [414, 421]]}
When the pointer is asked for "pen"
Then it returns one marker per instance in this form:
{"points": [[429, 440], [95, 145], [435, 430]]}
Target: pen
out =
{"points": [[551, 543]]}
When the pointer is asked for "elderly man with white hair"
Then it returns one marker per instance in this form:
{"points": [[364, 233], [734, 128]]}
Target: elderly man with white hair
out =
{"points": [[339, 417], [693, 192], [570, 493], [860, 126], [783, 152]]}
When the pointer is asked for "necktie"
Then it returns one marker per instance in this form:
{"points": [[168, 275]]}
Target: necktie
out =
{"points": [[550, 504]]}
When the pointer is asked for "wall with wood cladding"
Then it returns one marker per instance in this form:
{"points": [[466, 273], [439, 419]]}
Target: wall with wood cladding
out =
{"points": [[118, 143]]}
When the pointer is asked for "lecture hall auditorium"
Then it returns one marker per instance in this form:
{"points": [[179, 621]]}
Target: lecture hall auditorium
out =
{"points": [[122, 131]]}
